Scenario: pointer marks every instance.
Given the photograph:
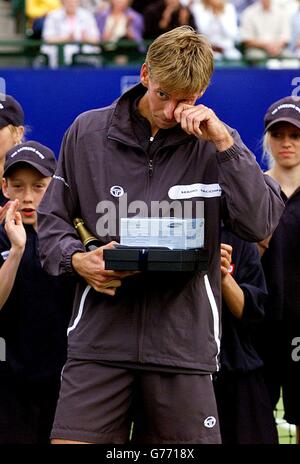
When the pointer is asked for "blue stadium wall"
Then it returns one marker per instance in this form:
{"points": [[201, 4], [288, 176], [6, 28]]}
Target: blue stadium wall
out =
{"points": [[52, 99]]}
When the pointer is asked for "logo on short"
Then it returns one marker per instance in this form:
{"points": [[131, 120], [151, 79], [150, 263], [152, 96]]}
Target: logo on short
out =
{"points": [[116, 191], [5, 254], [210, 422]]}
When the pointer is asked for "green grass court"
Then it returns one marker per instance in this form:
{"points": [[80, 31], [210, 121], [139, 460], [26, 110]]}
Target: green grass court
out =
{"points": [[286, 431]]}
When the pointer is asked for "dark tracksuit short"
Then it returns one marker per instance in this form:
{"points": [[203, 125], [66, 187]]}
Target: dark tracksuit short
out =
{"points": [[244, 406], [98, 403], [33, 323]]}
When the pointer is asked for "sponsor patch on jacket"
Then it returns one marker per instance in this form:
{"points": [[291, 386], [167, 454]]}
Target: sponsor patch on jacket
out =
{"points": [[181, 192]]}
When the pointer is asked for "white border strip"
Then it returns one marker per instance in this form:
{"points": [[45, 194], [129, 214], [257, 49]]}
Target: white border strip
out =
{"points": [[78, 317], [215, 314]]}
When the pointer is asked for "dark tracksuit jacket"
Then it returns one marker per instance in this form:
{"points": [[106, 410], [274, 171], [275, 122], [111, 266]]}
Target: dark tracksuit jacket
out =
{"points": [[238, 353], [158, 319], [278, 338], [33, 323], [244, 407], [281, 264], [35, 317]]}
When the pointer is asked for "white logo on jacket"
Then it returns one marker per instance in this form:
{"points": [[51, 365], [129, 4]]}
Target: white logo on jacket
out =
{"points": [[116, 191], [180, 192], [210, 422]]}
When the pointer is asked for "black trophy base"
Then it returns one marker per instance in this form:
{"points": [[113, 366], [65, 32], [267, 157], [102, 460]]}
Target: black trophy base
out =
{"points": [[123, 258]]}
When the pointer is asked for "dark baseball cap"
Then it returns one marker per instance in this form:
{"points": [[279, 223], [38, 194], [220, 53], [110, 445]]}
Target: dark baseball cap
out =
{"points": [[11, 112], [285, 110], [33, 153]]}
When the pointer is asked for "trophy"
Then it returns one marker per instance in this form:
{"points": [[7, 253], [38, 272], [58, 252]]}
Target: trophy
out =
{"points": [[153, 244]]}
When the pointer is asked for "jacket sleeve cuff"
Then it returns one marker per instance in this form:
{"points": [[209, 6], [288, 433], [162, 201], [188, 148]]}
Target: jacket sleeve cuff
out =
{"points": [[233, 152], [66, 262]]}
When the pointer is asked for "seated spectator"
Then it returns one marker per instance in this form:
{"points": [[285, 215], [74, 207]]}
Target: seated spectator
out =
{"points": [[295, 40], [217, 19], [265, 31], [120, 21], [69, 24], [164, 15], [36, 11]]}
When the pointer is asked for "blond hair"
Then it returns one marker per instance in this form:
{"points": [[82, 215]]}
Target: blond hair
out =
{"points": [[266, 150], [16, 133], [181, 60]]}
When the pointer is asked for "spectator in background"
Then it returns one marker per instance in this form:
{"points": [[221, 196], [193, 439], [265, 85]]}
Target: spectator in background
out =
{"points": [[164, 15], [71, 23], [36, 11], [119, 22], [295, 40], [11, 130], [265, 31], [217, 19], [279, 338]]}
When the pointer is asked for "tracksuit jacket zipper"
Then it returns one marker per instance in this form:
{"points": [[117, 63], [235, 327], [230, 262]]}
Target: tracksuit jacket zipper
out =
{"points": [[143, 309], [150, 169], [144, 301]]}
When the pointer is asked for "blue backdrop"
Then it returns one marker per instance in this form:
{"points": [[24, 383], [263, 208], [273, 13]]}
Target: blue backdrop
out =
{"points": [[53, 98]]}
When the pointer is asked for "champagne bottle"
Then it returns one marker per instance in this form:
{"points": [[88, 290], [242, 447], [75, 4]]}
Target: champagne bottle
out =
{"points": [[89, 241]]}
